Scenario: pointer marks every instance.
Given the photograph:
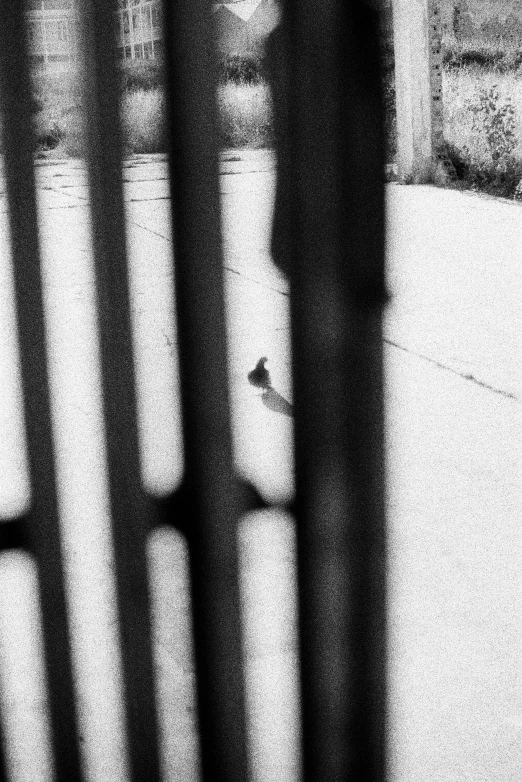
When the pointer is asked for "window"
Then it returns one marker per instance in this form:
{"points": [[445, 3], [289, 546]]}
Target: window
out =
{"points": [[63, 30], [156, 15]]}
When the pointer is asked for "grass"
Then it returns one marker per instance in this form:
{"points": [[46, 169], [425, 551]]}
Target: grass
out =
{"points": [[244, 104], [483, 125], [502, 55], [461, 90], [58, 113], [482, 93], [483, 159], [245, 115], [143, 118]]}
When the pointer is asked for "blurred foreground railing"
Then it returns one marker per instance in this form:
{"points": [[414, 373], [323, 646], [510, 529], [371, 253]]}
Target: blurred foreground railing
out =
{"points": [[329, 239]]}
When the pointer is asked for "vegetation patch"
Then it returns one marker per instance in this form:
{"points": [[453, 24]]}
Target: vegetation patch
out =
{"points": [[245, 113], [143, 120], [242, 69], [482, 98], [57, 112], [502, 56], [244, 108], [144, 75], [482, 87], [482, 128]]}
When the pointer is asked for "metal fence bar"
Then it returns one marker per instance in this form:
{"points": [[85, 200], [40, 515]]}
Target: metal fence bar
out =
{"points": [[130, 511], [3, 764], [329, 238], [213, 505], [43, 527], [14, 534], [335, 232]]}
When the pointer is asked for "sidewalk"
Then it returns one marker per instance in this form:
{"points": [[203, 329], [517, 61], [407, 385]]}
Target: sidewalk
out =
{"points": [[453, 409]]}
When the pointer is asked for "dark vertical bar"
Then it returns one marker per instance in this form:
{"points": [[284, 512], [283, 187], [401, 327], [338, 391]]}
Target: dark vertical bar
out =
{"points": [[191, 72], [3, 764], [128, 505], [14, 534], [44, 528], [336, 225]]}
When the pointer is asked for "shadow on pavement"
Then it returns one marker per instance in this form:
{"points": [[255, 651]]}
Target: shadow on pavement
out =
{"points": [[276, 402]]}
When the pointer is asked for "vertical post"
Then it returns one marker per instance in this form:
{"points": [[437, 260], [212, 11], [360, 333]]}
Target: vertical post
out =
{"points": [[418, 87], [141, 33], [329, 236], [3, 761], [131, 30], [121, 22], [44, 528], [128, 504], [44, 40], [214, 506], [151, 32], [437, 122]]}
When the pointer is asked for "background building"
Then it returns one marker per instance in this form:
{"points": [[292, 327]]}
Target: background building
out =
{"points": [[52, 32], [241, 27], [244, 26], [139, 29]]}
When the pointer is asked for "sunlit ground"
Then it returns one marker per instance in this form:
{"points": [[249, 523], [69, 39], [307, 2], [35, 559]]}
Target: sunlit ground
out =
{"points": [[453, 432]]}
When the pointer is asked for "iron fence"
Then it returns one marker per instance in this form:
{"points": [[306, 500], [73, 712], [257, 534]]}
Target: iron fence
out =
{"points": [[328, 237]]}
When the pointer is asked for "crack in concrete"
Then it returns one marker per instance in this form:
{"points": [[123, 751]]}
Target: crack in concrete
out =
{"points": [[463, 375], [256, 282]]}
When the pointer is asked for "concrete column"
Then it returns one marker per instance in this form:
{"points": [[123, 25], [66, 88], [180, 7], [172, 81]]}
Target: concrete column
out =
{"points": [[418, 86]]}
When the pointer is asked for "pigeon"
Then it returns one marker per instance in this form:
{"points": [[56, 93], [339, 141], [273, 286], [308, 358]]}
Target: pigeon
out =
{"points": [[260, 376]]}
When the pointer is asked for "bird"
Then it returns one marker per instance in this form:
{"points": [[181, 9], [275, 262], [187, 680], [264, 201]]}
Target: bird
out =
{"points": [[260, 377]]}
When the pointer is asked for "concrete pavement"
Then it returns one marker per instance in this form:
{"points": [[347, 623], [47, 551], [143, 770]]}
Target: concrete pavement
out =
{"points": [[453, 412]]}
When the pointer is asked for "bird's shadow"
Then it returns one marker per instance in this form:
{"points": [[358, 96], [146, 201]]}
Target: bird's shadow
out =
{"points": [[277, 403]]}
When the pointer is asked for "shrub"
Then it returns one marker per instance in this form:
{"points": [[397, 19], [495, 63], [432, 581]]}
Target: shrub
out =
{"points": [[496, 118], [494, 55], [242, 69], [143, 116], [500, 180], [245, 116], [457, 55], [458, 158], [72, 142], [481, 124], [48, 136], [142, 75], [56, 99]]}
